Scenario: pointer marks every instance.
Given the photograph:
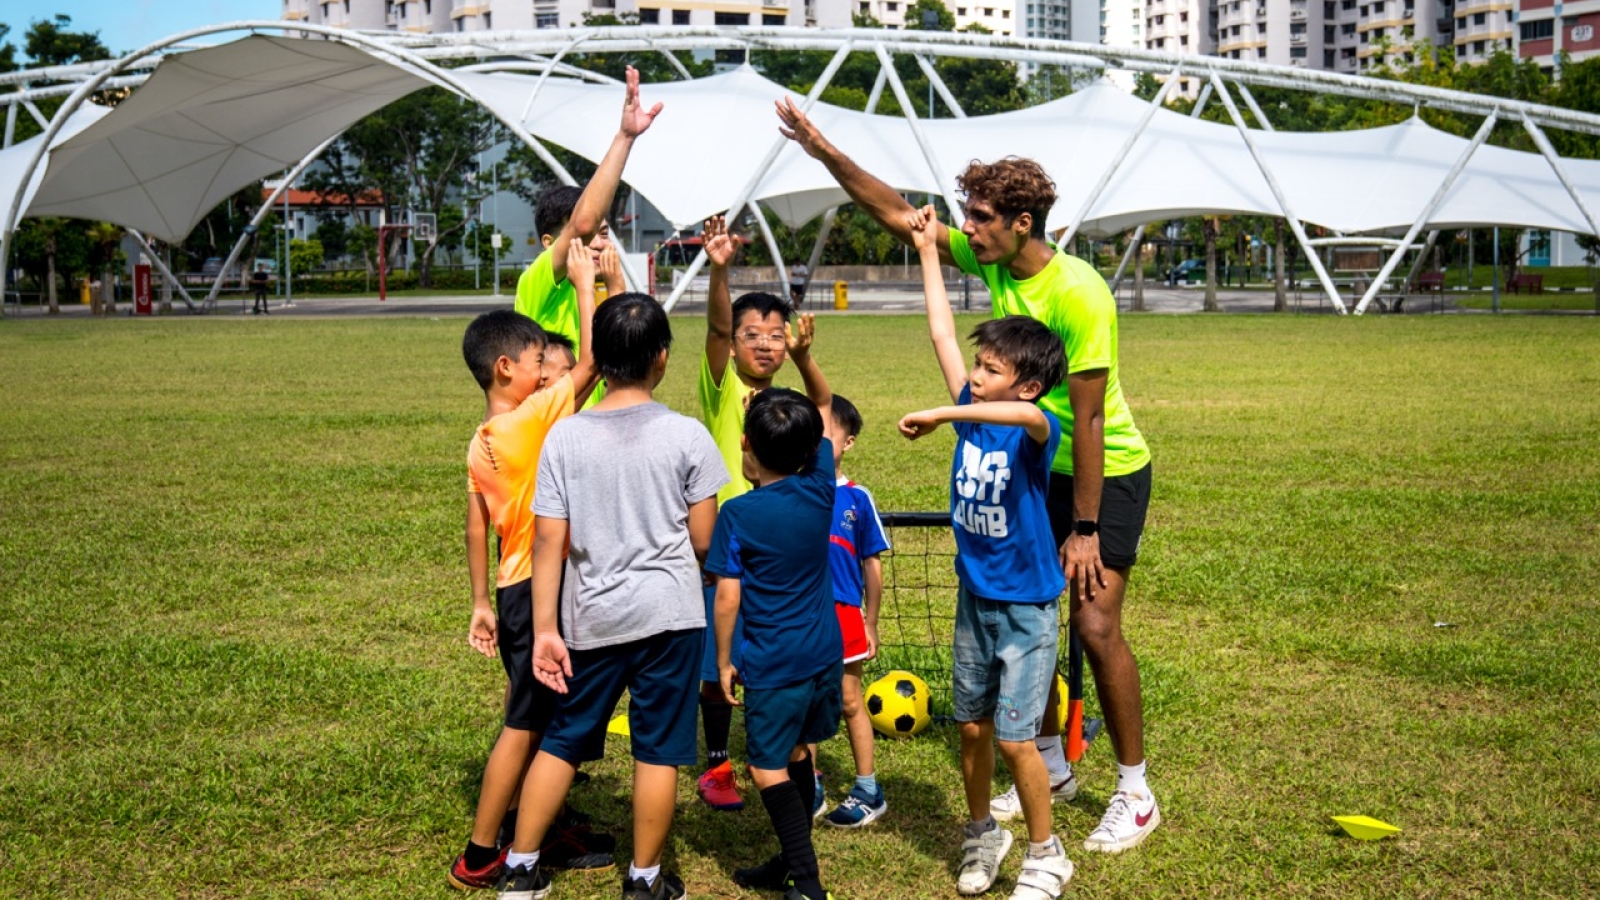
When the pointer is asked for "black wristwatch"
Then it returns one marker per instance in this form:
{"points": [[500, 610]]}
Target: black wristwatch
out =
{"points": [[1085, 527]]}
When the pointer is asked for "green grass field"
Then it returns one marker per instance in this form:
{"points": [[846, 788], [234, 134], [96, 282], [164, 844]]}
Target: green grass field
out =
{"points": [[233, 660]]}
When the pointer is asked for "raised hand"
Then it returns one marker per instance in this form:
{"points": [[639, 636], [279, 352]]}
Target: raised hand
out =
{"points": [[918, 424], [580, 265], [796, 127], [635, 118], [719, 244], [610, 269], [924, 227], [799, 339]]}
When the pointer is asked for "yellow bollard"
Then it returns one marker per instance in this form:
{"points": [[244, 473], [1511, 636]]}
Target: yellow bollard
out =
{"points": [[83, 292], [841, 295]]}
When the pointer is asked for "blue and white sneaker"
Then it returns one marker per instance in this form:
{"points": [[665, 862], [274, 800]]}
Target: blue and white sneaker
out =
{"points": [[858, 809], [818, 800]]}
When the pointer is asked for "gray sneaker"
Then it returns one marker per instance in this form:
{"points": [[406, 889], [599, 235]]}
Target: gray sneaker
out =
{"points": [[980, 860], [1007, 806]]}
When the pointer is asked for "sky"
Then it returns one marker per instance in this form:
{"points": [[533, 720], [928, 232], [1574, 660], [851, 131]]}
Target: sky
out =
{"points": [[127, 25]]}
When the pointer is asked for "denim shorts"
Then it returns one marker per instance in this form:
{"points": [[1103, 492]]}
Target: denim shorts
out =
{"points": [[776, 720], [1005, 660]]}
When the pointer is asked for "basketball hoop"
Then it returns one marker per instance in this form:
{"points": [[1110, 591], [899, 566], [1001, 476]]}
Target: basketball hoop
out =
{"points": [[424, 227]]}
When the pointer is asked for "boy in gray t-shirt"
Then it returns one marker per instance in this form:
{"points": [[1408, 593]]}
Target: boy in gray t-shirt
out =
{"points": [[634, 486]]}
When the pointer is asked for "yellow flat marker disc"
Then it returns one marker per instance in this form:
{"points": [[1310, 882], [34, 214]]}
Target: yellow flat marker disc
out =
{"points": [[619, 725], [1365, 828]]}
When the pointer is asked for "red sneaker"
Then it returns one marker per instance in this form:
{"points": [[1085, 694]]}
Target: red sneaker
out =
{"points": [[475, 879], [719, 789]]}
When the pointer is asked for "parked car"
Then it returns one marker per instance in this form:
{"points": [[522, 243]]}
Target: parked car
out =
{"points": [[1190, 270]]}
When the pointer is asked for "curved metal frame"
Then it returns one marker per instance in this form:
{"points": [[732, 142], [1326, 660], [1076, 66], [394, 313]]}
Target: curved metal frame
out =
{"points": [[543, 50]]}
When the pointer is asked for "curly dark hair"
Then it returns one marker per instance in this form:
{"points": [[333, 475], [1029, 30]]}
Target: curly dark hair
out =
{"points": [[1013, 186]]}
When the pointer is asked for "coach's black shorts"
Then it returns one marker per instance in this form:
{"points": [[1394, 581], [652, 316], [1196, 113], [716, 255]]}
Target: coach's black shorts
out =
{"points": [[1124, 501], [529, 704]]}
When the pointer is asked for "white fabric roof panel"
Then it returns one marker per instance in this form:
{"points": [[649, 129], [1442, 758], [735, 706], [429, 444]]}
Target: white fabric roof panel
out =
{"points": [[14, 158], [209, 123]]}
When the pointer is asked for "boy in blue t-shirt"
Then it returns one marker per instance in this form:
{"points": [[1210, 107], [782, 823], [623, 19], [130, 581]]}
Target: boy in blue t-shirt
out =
{"points": [[765, 552], [856, 542], [1006, 560]]}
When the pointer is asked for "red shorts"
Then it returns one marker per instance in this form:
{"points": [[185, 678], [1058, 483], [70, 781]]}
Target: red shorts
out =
{"points": [[854, 630]]}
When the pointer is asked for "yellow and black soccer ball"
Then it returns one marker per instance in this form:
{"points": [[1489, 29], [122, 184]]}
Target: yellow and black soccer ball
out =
{"points": [[897, 703]]}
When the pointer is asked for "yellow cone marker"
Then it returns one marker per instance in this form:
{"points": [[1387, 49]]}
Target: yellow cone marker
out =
{"points": [[619, 725], [1365, 828]]}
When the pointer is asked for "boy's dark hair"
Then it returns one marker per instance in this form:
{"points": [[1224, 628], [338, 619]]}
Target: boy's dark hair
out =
{"points": [[1013, 186], [784, 429], [495, 334], [846, 414], [554, 208], [764, 304], [630, 331], [1034, 351], [557, 339]]}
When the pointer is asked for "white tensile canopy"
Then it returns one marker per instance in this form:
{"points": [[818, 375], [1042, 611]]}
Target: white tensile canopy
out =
{"points": [[209, 122]]}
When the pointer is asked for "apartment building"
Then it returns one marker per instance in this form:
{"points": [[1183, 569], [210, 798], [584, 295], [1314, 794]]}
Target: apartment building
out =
{"points": [[999, 16], [437, 16], [1547, 28]]}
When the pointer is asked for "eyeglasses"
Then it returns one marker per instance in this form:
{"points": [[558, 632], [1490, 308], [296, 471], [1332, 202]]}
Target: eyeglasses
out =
{"points": [[757, 339]]}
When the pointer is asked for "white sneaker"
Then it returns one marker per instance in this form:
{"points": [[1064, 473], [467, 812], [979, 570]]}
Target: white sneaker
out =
{"points": [[1008, 806], [980, 860], [1129, 818], [1043, 878]]}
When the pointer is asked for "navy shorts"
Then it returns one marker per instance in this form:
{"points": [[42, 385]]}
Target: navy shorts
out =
{"points": [[658, 672], [1124, 501], [529, 704], [776, 720], [708, 656]]}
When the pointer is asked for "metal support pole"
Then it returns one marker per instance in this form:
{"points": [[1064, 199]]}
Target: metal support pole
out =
{"points": [[822, 239], [877, 90], [537, 85], [1422, 257], [1156, 103], [155, 260], [772, 247], [261, 215], [939, 85], [44, 122], [1543, 143], [1277, 193], [1255, 108], [11, 124], [676, 64], [910, 112], [750, 186], [1138, 233], [1427, 211]]}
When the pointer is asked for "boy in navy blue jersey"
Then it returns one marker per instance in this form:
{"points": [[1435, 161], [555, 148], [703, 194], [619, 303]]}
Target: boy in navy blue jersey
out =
{"points": [[1006, 560], [856, 542], [767, 552]]}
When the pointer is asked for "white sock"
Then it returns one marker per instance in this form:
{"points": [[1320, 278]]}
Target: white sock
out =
{"points": [[514, 859], [649, 875], [1055, 759], [1131, 778], [1045, 849]]}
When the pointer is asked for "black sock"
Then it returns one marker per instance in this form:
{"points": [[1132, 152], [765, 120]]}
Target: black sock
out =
{"points": [[804, 776], [791, 819], [478, 857], [508, 828], [716, 716]]}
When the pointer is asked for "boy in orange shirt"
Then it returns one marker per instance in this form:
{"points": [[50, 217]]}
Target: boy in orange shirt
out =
{"points": [[506, 352]]}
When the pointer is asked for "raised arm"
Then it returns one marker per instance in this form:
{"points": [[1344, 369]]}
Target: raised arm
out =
{"points": [[1001, 412], [719, 246], [799, 341], [879, 200], [584, 373], [590, 212], [941, 321], [610, 269]]}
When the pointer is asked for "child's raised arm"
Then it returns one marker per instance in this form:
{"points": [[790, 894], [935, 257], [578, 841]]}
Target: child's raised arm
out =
{"points": [[719, 247], [799, 341], [941, 322], [1001, 412], [580, 268]]}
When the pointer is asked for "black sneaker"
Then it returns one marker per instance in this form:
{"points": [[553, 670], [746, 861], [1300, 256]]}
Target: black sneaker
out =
{"points": [[794, 893], [566, 848], [772, 875], [523, 883], [667, 887]]}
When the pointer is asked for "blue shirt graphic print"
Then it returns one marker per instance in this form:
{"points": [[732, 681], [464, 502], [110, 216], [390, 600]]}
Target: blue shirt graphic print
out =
{"points": [[774, 539], [998, 483]]}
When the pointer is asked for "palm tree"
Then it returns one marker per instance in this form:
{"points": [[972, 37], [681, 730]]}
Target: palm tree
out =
{"points": [[106, 236]]}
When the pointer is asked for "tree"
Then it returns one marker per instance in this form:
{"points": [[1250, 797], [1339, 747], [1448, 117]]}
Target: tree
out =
{"points": [[304, 256], [51, 43], [105, 238], [334, 235], [51, 248], [8, 50], [930, 15]]}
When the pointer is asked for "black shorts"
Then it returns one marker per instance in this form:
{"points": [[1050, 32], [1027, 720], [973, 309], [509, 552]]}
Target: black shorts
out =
{"points": [[661, 674], [529, 704], [1124, 501]]}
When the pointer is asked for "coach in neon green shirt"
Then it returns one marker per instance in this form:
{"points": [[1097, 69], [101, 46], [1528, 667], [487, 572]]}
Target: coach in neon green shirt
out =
{"points": [[1100, 483]]}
